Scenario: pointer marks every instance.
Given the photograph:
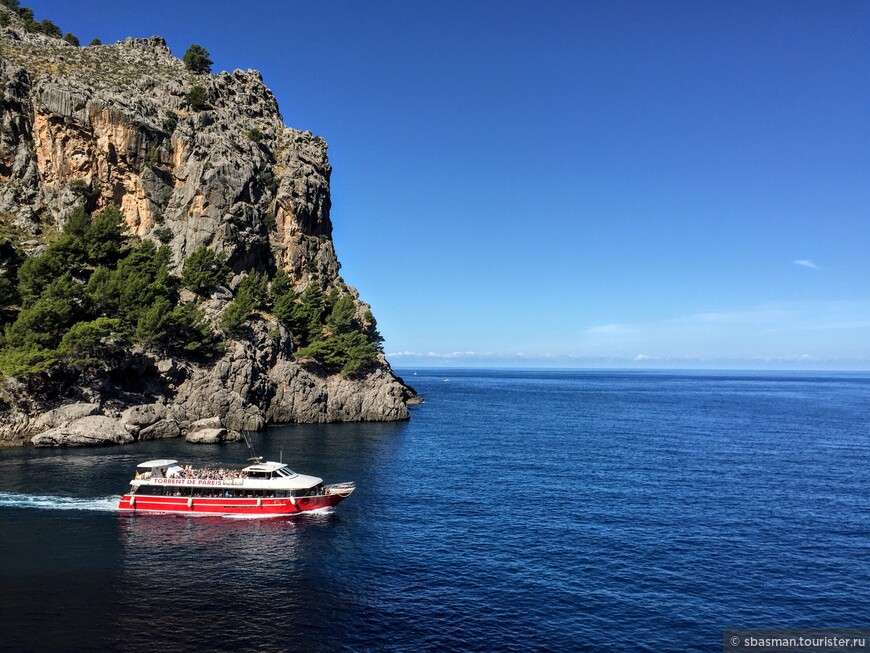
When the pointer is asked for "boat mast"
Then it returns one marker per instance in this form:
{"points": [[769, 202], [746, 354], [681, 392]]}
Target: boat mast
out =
{"points": [[254, 457]]}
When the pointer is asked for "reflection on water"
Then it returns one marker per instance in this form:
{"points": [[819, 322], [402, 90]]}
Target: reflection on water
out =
{"points": [[252, 579], [245, 537]]}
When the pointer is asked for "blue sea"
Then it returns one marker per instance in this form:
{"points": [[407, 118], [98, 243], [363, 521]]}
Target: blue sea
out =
{"points": [[515, 511]]}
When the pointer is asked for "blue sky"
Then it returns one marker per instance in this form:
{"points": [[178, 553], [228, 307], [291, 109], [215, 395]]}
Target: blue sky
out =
{"points": [[574, 184]]}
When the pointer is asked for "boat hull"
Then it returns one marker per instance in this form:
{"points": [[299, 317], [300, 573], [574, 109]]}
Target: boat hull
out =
{"points": [[265, 506]]}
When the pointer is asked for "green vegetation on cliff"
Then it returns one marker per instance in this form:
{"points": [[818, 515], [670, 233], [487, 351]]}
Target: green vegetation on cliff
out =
{"points": [[91, 294], [44, 26], [204, 269], [94, 292], [197, 60], [197, 98], [323, 326], [327, 329], [251, 294]]}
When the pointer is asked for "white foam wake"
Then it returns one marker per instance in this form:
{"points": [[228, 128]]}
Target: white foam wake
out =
{"points": [[13, 500], [307, 513]]}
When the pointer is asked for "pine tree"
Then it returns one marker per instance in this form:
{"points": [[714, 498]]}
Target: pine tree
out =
{"points": [[204, 269], [197, 60], [197, 98], [91, 343]]}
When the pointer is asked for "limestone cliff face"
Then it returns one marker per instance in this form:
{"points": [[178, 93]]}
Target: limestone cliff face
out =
{"points": [[105, 125], [115, 117]]}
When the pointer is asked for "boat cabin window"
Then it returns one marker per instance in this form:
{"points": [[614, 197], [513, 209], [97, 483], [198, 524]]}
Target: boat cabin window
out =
{"points": [[282, 472]]}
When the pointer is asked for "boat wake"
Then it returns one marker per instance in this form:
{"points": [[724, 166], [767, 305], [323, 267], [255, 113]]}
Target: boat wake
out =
{"points": [[296, 515], [321, 511], [13, 500]]}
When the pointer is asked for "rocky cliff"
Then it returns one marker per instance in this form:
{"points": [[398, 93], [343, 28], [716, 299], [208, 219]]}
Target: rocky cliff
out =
{"points": [[115, 125]]}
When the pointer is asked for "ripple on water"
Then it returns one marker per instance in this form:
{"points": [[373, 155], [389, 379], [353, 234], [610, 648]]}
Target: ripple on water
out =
{"points": [[515, 511]]}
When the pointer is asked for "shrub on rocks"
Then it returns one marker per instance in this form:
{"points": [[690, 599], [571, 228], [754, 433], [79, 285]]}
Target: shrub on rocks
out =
{"points": [[197, 98]]}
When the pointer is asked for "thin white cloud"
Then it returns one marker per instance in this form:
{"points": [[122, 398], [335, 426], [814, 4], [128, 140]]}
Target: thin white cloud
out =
{"points": [[807, 263], [611, 329], [646, 358], [758, 315], [775, 331], [434, 354]]}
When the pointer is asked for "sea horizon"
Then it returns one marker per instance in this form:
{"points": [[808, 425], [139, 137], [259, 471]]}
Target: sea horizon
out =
{"points": [[518, 368]]}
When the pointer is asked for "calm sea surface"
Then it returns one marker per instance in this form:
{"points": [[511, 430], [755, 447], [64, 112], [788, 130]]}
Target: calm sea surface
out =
{"points": [[516, 511]]}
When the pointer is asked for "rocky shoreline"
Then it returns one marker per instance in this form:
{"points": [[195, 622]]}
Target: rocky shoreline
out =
{"points": [[302, 398], [145, 398]]}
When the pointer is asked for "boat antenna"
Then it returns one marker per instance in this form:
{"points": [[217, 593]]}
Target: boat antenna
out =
{"points": [[254, 457]]}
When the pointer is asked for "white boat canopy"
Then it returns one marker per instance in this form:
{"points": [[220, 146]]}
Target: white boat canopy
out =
{"points": [[151, 464], [269, 466]]}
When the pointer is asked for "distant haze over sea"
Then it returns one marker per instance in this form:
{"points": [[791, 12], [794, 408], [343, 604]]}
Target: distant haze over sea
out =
{"points": [[409, 360]]}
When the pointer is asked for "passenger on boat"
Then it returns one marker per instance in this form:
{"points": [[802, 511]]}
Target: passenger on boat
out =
{"points": [[189, 472]]}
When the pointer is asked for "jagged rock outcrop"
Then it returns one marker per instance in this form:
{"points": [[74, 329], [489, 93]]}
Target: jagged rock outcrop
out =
{"points": [[111, 125], [64, 416], [303, 397], [207, 436], [86, 431]]}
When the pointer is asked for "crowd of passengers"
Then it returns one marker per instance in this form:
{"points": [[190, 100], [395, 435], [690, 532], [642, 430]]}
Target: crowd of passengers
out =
{"points": [[212, 474]]}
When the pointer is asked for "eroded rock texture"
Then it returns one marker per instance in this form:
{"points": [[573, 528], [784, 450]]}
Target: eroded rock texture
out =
{"points": [[105, 125]]}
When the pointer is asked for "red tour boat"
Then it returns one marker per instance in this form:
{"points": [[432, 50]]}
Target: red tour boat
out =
{"points": [[264, 488]]}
